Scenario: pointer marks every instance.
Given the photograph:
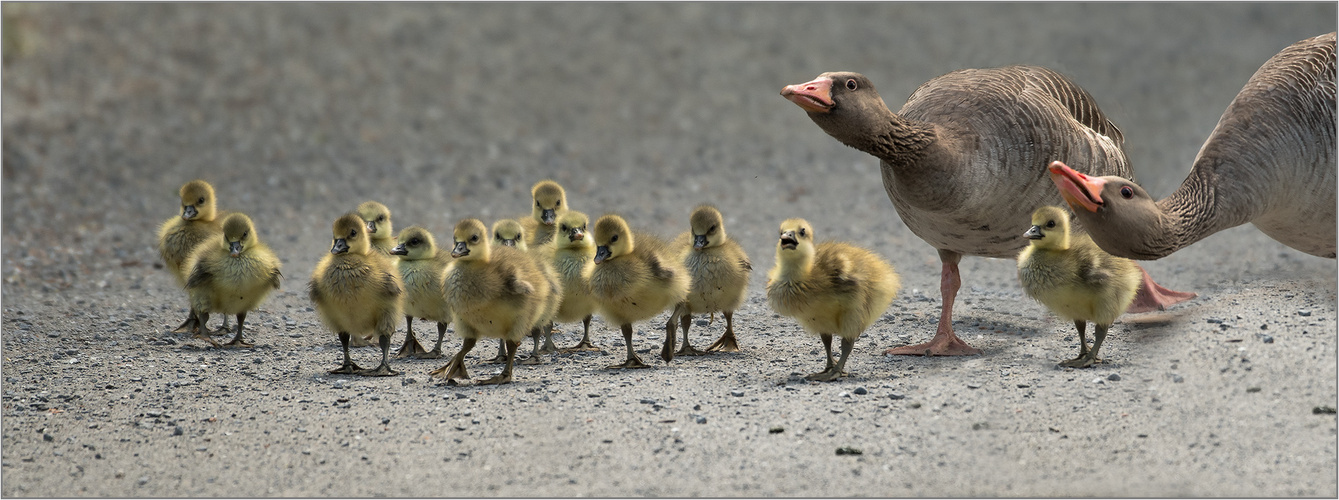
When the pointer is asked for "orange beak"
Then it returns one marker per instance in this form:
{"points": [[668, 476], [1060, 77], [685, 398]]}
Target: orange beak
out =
{"points": [[814, 97], [1077, 189]]}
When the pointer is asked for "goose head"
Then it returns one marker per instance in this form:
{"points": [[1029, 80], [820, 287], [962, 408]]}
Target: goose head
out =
{"points": [[844, 104], [197, 201], [238, 234], [470, 241], [1118, 214], [378, 219], [613, 238], [415, 243], [707, 226], [550, 201], [350, 235]]}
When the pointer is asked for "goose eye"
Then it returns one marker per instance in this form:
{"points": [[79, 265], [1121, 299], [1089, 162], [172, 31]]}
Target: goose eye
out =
{"points": [[1126, 192], [1050, 224], [851, 85]]}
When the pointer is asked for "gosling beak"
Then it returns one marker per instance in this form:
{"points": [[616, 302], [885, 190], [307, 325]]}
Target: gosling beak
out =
{"points": [[399, 250], [548, 216], [788, 240], [1034, 233], [340, 246], [371, 227], [460, 250], [576, 234], [506, 242], [699, 241], [814, 97], [234, 248], [1077, 189], [189, 212], [602, 253]]}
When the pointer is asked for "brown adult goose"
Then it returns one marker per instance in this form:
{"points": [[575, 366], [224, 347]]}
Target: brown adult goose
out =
{"points": [[1270, 161], [964, 161]]}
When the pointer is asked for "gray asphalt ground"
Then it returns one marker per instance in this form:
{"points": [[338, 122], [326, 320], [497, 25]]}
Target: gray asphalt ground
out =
{"points": [[298, 112]]}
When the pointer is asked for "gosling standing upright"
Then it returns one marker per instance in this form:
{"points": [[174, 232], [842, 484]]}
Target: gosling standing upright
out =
{"points": [[178, 236], [423, 271], [356, 292], [635, 278], [719, 278], [231, 274]]}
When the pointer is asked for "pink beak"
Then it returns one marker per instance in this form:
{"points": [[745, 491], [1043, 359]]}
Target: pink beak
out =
{"points": [[1077, 189], [814, 97]]}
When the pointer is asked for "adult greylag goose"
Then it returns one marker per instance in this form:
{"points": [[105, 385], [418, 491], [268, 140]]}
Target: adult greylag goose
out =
{"points": [[964, 161], [1270, 161]]}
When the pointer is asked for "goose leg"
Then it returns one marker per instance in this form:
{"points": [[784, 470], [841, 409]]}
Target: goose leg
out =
{"points": [[833, 368], [585, 344], [1153, 297], [549, 346], [237, 340], [384, 370], [436, 351], [201, 332], [501, 354], [945, 342], [505, 376], [633, 361], [411, 347], [536, 357], [1083, 360], [687, 349], [727, 342], [348, 367], [189, 324], [455, 369], [667, 348]]}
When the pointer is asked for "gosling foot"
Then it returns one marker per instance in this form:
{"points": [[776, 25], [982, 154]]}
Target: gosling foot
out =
{"points": [[688, 350], [412, 349], [205, 337], [453, 370], [238, 343], [632, 362], [349, 368], [826, 375], [499, 379], [380, 371], [433, 354], [584, 345], [726, 343], [1080, 362]]}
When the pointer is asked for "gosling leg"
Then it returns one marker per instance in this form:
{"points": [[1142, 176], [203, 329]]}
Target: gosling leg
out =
{"points": [[501, 353], [633, 361], [505, 376], [687, 349], [237, 340], [835, 371], [585, 344], [455, 369], [201, 332], [411, 347], [436, 352], [348, 367], [536, 356], [727, 342], [384, 370], [1083, 361], [549, 346]]}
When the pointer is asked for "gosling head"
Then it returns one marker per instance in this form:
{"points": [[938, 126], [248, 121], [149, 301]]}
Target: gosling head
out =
{"points": [[612, 238], [572, 230], [708, 227], [470, 240], [796, 240], [350, 235], [377, 217], [197, 201], [238, 234], [550, 201], [508, 232], [1050, 228], [415, 243]]}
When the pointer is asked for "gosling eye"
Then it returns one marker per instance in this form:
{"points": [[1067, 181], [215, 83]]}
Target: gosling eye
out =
{"points": [[381, 218], [851, 85], [563, 228], [201, 200], [537, 204], [558, 204], [1050, 224], [1127, 192], [802, 231], [352, 233], [613, 239]]}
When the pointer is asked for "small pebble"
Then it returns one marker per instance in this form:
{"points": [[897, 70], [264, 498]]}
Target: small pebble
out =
{"points": [[776, 430], [737, 393], [1267, 339], [178, 431], [896, 396], [1114, 377], [1303, 312], [861, 391], [700, 419], [973, 385], [143, 480], [1177, 378], [847, 450], [1323, 410]]}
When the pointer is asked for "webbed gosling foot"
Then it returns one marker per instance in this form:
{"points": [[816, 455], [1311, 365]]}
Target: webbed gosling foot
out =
{"points": [[499, 379], [349, 368], [826, 375], [205, 337], [412, 348], [237, 342], [433, 354], [381, 371], [1084, 361], [453, 370], [584, 345], [726, 343], [688, 350], [632, 362]]}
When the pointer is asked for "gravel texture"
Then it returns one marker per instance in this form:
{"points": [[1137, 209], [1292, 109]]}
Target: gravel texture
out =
{"points": [[298, 112]]}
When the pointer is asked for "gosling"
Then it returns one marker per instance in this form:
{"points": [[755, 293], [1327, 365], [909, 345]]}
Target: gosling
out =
{"points": [[550, 203], [231, 274], [492, 292], [379, 227], [356, 292], [719, 271], [635, 278], [1075, 279], [511, 233], [423, 270], [832, 288], [573, 258], [178, 236]]}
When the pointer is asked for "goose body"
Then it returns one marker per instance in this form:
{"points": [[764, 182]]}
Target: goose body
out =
{"points": [[423, 270], [1075, 279], [357, 292], [231, 274], [831, 288], [957, 146], [1270, 161]]}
